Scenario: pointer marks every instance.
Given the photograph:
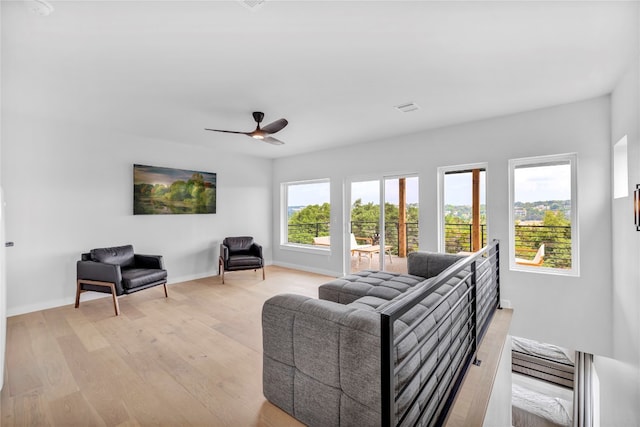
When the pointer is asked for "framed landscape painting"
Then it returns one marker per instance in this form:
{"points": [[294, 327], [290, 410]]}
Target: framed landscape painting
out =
{"points": [[161, 191]]}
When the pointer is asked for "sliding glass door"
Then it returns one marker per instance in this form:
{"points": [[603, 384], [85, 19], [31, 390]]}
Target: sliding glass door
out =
{"points": [[381, 235]]}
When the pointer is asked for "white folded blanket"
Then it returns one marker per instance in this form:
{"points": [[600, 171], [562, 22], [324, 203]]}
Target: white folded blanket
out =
{"points": [[547, 351], [552, 409]]}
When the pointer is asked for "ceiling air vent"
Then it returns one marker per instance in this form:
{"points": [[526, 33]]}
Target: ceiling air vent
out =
{"points": [[409, 106]]}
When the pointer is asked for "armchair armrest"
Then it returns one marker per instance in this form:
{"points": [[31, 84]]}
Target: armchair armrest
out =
{"points": [[149, 261], [224, 252], [101, 272], [256, 249]]}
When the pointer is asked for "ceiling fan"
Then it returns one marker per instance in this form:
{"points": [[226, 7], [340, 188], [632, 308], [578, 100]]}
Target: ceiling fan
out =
{"points": [[261, 133]]}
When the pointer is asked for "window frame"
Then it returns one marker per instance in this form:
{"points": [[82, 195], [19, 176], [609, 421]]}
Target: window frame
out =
{"points": [[442, 171], [284, 223], [547, 160]]}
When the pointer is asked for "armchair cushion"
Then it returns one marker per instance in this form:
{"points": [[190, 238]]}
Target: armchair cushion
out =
{"points": [[236, 261], [136, 278], [121, 255], [240, 245]]}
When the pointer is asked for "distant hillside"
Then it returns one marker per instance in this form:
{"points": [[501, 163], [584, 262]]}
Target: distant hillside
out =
{"points": [[529, 211], [463, 212], [534, 211]]}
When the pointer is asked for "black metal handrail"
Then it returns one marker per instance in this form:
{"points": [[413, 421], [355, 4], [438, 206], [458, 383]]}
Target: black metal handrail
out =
{"points": [[475, 290]]}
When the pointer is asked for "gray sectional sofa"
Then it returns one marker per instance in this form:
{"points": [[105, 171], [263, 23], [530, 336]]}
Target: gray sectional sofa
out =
{"points": [[322, 357]]}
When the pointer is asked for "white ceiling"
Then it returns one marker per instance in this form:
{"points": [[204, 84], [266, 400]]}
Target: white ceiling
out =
{"points": [[334, 69]]}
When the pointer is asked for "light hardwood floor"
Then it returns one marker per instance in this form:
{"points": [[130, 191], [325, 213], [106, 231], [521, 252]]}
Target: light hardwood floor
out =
{"points": [[194, 358]]}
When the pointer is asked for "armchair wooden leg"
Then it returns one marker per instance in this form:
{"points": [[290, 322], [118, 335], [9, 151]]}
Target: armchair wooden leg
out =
{"points": [[78, 293], [165, 291], [111, 286], [221, 268], [116, 306], [263, 272]]}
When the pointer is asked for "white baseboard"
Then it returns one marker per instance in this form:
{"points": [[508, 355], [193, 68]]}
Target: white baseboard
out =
{"points": [[307, 268], [89, 296], [15, 311]]}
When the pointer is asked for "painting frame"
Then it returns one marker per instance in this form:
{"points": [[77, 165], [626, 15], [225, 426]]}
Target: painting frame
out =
{"points": [[159, 190]]}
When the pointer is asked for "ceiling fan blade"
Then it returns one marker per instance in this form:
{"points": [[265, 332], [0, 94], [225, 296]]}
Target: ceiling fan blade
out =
{"points": [[272, 140], [228, 131], [276, 126]]}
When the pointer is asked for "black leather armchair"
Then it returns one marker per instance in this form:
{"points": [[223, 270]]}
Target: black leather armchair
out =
{"points": [[240, 253], [119, 271]]}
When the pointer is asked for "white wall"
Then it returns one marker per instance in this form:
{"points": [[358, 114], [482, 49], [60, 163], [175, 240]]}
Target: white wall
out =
{"points": [[574, 312], [620, 376], [69, 189], [3, 285]]}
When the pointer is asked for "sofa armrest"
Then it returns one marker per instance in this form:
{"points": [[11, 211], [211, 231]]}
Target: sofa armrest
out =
{"points": [[149, 261], [430, 264], [321, 354]]}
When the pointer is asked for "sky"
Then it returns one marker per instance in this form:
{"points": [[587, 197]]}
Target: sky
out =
{"points": [[532, 184], [457, 189], [315, 193], [369, 191]]}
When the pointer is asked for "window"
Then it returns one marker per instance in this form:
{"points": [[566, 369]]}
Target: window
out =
{"points": [[620, 171], [306, 212], [543, 217], [463, 216]]}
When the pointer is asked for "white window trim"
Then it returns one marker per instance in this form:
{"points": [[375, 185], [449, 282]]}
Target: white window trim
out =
{"points": [[284, 223], [572, 158], [441, 173], [620, 168]]}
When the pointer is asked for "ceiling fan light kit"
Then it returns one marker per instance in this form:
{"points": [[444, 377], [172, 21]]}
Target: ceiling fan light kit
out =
{"points": [[264, 133], [39, 7]]}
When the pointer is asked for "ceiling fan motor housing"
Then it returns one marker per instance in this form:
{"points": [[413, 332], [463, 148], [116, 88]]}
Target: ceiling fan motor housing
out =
{"points": [[258, 116]]}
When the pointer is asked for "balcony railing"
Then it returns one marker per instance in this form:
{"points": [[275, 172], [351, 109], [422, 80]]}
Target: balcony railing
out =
{"points": [[528, 238], [304, 233], [457, 237], [556, 240]]}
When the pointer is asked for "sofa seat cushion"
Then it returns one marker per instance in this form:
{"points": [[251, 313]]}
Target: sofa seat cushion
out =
{"points": [[244, 261], [368, 303], [133, 278], [383, 285]]}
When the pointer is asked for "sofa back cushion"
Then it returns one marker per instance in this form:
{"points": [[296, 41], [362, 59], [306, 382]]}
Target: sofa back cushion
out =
{"points": [[239, 245], [429, 264], [121, 255]]}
